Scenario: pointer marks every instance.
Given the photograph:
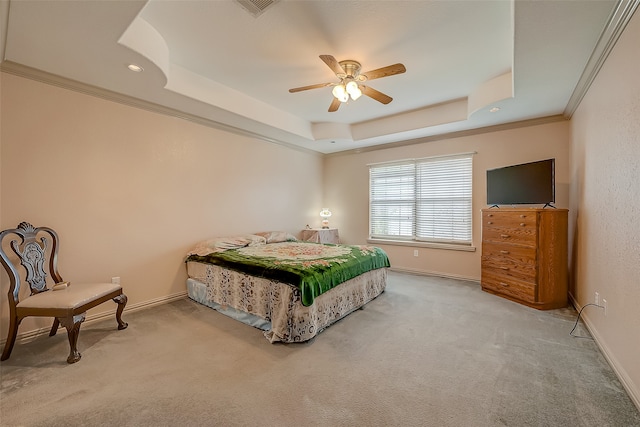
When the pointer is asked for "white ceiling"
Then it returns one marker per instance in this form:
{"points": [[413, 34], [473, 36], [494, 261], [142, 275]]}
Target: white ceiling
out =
{"points": [[214, 62]]}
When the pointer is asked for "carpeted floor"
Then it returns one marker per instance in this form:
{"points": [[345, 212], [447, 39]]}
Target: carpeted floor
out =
{"points": [[427, 352]]}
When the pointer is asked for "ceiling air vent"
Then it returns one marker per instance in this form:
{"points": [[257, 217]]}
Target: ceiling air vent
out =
{"points": [[256, 7]]}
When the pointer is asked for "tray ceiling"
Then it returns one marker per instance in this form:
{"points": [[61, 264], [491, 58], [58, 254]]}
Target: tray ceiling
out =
{"points": [[220, 64]]}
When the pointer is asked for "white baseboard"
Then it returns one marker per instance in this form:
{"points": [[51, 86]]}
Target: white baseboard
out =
{"points": [[433, 273], [627, 383], [30, 335], [154, 302]]}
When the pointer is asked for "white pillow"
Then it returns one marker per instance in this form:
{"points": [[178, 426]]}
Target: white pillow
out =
{"points": [[220, 244], [277, 236]]}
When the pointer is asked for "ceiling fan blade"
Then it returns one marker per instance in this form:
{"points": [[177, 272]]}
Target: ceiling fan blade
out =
{"points": [[378, 96], [333, 64], [316, 86], [335, 104], [385, 71]]}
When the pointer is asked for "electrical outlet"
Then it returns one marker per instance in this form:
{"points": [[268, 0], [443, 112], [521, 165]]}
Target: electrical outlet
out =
{"points": [[597, 298], [415, 252], [115, 280], [604, 306]]}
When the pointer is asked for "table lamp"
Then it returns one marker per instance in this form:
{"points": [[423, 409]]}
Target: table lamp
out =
{"points": [[325, 214]]}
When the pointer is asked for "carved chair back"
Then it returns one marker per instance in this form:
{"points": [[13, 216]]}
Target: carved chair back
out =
{"points": [[32, 254]]}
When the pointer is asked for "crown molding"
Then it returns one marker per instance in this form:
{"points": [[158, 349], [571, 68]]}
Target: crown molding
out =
{"points": [[20, 70], [456, 134], [76, 86], [614, 27]]}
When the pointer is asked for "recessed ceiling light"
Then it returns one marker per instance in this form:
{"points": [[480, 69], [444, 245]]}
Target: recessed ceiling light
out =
{"points": [[134, 67], [494, 110]]}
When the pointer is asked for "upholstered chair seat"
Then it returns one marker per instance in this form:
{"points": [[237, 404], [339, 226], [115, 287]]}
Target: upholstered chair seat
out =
{"points": [[62, 302]]}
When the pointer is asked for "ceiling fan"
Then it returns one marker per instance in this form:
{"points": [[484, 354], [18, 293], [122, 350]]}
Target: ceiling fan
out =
{"points": [[351, 79]]}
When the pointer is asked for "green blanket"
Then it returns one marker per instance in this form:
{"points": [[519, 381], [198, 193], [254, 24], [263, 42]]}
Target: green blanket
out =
{"points": [[313, 268]]}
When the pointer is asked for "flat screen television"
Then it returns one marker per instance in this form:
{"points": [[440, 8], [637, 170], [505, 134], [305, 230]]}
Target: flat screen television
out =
{"points": [[527, 183]]}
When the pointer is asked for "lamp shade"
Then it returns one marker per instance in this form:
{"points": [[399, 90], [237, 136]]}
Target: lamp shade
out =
{"points": [[357, 93], [353, 90], [325, 213], [339, 91]]}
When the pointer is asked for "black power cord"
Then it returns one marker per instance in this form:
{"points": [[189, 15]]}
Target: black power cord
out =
{"points": [[578, 319]]}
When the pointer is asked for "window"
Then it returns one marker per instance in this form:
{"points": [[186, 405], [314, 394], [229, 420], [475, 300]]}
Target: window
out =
{"points": [[425, 200]]}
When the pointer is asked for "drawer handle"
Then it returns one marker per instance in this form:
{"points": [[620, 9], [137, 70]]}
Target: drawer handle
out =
{"points": [[522, 224], [505, 236], [506, 285], [504, 268], [523, 216], [489, 222], [490, 215], [504, 252]]}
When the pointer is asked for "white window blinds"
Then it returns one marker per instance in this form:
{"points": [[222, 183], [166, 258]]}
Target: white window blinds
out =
{"points": [[392, 200], [424, 200]]}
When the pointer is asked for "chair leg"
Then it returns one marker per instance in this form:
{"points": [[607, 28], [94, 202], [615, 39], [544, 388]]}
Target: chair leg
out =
{"points": [[72, 324], [54, 327], [121, 300], [11, 338]]}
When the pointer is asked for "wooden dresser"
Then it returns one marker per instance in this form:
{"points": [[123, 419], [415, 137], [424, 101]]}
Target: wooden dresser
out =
{"points": [[524, 255]]}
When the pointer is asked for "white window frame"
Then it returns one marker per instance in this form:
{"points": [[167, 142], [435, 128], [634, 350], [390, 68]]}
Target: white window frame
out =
{"points": [[422, 202]]}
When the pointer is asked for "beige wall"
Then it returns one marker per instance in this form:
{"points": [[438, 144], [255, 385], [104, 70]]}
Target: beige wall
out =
{"points": [[347, 188], [130, 191], [123, 187], [605, 202]]}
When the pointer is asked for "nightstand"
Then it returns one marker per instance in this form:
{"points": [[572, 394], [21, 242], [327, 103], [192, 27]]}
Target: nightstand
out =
{"points": [[321, 235]]}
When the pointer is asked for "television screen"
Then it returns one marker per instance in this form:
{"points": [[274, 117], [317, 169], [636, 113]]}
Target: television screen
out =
{"points": [[528, 183]]}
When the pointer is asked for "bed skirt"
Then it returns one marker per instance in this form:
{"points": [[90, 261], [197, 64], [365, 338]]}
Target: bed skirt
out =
{"points": [[276, 307]]}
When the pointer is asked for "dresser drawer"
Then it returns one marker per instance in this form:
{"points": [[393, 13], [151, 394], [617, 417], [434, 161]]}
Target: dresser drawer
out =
{"points": [[507, 271], [509, 219], [500, 255], [514, 288], [510, 261], [516, 235]]}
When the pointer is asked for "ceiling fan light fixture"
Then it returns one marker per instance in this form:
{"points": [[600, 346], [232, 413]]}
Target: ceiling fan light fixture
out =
{"points": [[340, 92], [348, 73], [353, 90]]}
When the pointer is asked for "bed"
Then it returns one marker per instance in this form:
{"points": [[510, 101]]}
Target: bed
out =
{"points": [[292, 290]]}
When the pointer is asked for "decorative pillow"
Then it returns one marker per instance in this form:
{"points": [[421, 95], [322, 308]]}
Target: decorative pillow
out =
{"points": [[277, 236], [256, 240], [220, 244]]}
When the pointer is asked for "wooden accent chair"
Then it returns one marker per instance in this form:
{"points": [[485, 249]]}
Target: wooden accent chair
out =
{"points": [[65, 302]]}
